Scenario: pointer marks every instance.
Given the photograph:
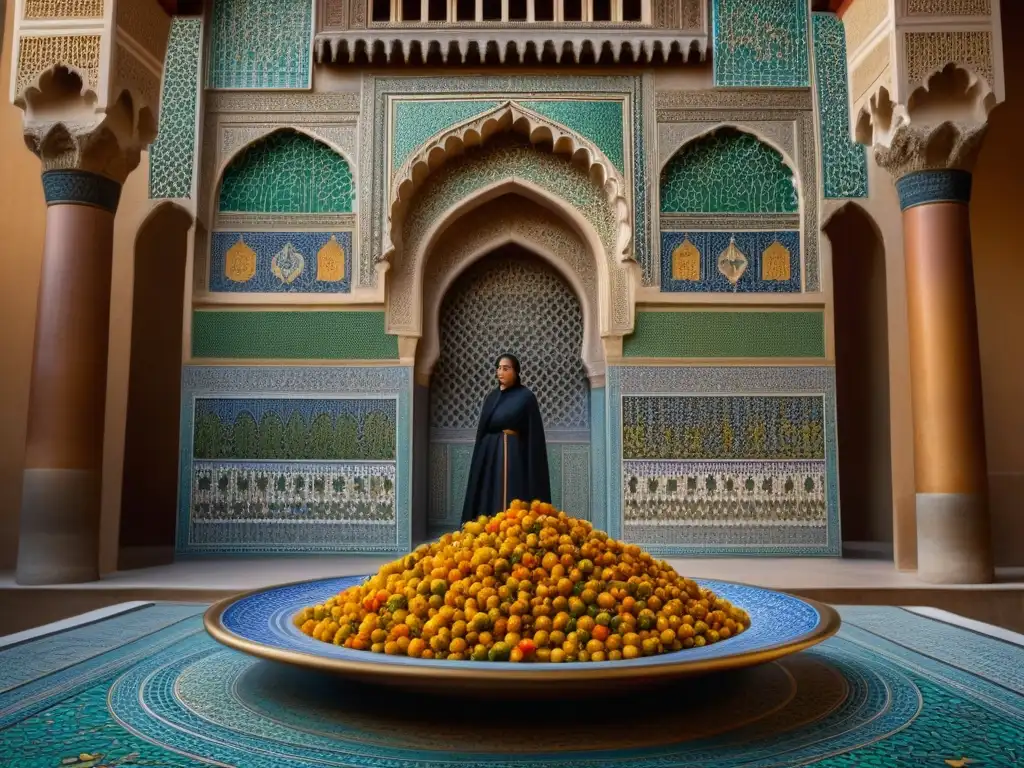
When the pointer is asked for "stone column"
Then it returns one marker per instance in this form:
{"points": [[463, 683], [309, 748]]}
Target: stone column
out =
{"points": [[931, 166], [60, 507], [87, 78]]}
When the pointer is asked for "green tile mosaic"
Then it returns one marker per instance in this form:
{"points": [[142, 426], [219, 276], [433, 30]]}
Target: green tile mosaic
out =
{"points": [[172, 155], [727, 335], [320, 335], [417, 120], [261, 44], [844, 162], [599, 121], [727, 171], [287, 172], [760, 43]]}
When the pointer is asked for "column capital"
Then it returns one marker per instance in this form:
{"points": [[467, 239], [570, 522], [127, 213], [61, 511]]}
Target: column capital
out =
{"points": [[86, 75]]}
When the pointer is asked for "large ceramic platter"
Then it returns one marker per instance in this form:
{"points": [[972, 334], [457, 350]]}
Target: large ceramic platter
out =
{"points": [[260, 623]]}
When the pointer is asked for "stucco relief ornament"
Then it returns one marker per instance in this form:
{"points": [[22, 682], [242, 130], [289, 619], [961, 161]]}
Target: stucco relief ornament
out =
{"points": [[475, 131], [287, 264]]}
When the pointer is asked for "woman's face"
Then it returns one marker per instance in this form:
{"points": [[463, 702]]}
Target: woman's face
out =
{"points": [[506, 373]]}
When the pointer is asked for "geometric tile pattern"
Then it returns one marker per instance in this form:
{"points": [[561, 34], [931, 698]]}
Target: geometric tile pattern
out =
{"points": [[710, 463], [172, 154], [760, 43], [690, 262], [291, 335], [844, 162], [723, 334], [599, 121], [287, 172], [261, 44], [299, 459], [414, 121], [251, 262], [722, 428], [81, 188], [727, 171]]}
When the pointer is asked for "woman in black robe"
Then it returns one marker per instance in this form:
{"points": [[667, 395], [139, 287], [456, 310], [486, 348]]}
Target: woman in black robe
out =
{"points": [[510, 458]]}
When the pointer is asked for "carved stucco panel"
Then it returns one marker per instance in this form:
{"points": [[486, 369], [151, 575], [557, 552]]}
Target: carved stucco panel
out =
{"points": [[672, 136]]}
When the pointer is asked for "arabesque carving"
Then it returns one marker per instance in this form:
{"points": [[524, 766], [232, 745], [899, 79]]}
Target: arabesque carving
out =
{"points": [[509, 116], [941, 127]]}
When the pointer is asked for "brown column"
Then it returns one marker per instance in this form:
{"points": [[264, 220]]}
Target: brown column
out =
{"points": [[60, 507], [953, 535]]}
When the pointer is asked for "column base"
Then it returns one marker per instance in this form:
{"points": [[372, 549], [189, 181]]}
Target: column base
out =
{"points": [[953, 539], [58, 542]]}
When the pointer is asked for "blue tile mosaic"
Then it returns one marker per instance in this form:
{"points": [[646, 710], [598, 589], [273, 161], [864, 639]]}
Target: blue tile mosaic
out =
{"points": [[711, 245], [844, 162], [262, 262], [760, 43], [261, 44]]}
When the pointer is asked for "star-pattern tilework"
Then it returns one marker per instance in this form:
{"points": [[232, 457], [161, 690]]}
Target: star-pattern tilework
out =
{"points": [[727, 171], [762, 273], [760, 43], [261, 44], [287, 172], [321, 271], [172, 155], [844, 162]]}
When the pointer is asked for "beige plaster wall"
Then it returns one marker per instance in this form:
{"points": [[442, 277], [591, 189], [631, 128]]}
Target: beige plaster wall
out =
{"points": [[999, 286]]}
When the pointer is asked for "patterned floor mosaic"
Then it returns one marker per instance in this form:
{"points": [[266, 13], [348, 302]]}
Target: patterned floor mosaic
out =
{"points": [[150, 688]]}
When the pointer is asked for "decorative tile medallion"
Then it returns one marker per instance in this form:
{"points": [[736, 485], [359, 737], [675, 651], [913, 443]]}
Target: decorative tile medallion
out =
{"points": [[280, 262], [292, 335], [261, 44], [311, 459], [760, 43], [844, 162], [724, 461], [692, 262], [727, 171], [172, 156], [724, 334]]}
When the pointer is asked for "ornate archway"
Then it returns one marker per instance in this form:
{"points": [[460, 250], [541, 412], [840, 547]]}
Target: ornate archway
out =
{"points": [[509, 164]]}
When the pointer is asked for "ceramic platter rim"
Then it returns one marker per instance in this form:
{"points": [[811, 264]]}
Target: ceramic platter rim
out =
{"points": [[364, 664]]}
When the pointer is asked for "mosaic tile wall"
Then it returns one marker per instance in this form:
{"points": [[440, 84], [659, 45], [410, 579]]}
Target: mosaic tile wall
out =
{"points": [[261, 44], [311, 459], [741, 262], [287, 172], [720, 334], [599, 121], [709, 463], [280, 262], [760, 43], [172, 154], [291, 335], [727, 171], [844, 162]]}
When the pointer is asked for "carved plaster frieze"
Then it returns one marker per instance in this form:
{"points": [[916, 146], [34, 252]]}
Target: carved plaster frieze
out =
{"points": [[511, 42], [277, 102], [509, 116], [734, 98], [946, 146]]}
